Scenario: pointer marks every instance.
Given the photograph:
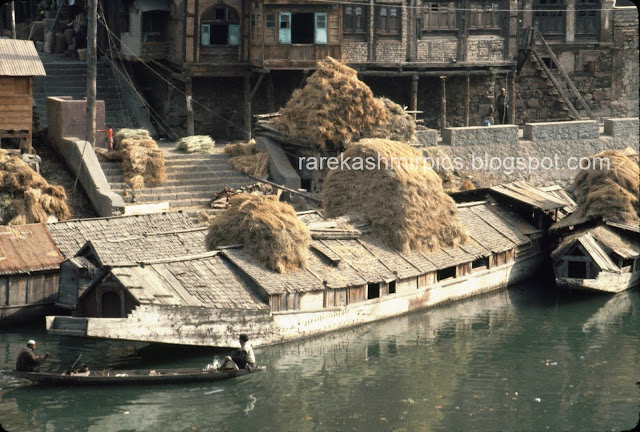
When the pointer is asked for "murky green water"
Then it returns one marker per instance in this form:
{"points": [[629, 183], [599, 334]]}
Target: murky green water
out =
{"points": [[518, 360]]}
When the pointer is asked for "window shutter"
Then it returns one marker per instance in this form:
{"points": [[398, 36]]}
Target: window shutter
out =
{"points": [[234, 35], [205, 34], [321, 28], [284, 28]]}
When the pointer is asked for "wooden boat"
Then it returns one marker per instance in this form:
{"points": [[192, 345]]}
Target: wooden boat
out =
{"points": [[136, 376]]}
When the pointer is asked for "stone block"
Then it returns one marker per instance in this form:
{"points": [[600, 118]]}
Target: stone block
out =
{"points": [[621, 127], [480, 135], [427, 137], [559, 131]]}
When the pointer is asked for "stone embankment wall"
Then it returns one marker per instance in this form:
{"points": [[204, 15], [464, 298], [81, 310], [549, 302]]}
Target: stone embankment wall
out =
{"points": [[488, 162]]}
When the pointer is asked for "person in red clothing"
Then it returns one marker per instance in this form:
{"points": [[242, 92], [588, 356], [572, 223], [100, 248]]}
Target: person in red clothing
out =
{"points": [[109, 132]]}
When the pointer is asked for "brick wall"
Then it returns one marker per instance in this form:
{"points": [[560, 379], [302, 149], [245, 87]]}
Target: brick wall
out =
{"points": [[133, 38], [437, 49], [355, 51], [485, 48]]}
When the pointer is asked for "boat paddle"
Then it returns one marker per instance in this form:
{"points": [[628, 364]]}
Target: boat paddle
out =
{"points": [[74, 363]]}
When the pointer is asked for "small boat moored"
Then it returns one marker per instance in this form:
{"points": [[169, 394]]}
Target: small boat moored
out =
{"points": [[135, 376]]}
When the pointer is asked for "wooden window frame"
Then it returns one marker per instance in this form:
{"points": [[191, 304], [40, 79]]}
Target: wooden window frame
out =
{"points": [[550, 18], [355, 21], [587, 11], [483, 15], [388, 21], [211, 18], [439, 16]]}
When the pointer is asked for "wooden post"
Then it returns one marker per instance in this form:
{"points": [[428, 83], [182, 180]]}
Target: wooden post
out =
{"points": [[247, 106], [443, 118], [414, 96], [270, 94], [466, 102], [92, 24], [13, 20], [512, 96], [188, 90]]}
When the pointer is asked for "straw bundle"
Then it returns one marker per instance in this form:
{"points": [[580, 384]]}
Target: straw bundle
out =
{"points": [[196, 144], [607, 192], [241, 148], [247, 159], [269, 230], [400, 126], [136, 134], [27, 197], [404, 202], [142, 162], [333, 106]]}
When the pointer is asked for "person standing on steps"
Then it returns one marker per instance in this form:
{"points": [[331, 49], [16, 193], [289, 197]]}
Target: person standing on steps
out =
{"points": [[502, 103]]}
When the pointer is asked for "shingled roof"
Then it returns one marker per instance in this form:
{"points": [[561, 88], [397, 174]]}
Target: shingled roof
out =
{"points": [[27, 248], [19, 58], [71, 235]]}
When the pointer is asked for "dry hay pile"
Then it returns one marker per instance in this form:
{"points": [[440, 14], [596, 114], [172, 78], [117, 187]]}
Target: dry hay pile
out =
{"points": [[269, 230], [135, 134], [196, 144], [333, 106], [26, 197], [405, 204], [142, 162], [399, 127], [247, 159], [607, 192]]}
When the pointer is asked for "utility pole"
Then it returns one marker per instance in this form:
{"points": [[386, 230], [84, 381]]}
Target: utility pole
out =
{"points": [[13, 20], [443, 117], [92, 24]]}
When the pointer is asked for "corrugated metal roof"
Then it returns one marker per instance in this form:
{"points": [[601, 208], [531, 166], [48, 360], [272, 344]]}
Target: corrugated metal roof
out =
{"points": [[524, 192], [19, 58], [27, 248], [71, 235]]}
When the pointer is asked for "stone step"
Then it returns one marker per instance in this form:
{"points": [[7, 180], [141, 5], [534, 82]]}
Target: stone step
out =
{"points": [[181, 186], [202, 196], [119, 177]]}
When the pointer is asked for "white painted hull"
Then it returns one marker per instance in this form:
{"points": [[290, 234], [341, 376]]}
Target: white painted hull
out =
{"points": [[605, 282], [211, 327]]}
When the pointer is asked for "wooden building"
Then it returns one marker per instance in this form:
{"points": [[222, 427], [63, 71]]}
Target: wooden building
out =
{"points": [[19, 63], [29, 271], [162, 288]]}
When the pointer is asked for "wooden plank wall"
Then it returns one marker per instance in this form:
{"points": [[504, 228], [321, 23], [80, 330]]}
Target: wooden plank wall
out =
{"points": [[16, 106]]}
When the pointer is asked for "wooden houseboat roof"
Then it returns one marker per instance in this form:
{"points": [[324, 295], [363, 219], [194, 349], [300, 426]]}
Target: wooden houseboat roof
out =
{"points": [[188, 282], [147, 247], [533, 196], [71, 235], [19, 58], [27, 248]]}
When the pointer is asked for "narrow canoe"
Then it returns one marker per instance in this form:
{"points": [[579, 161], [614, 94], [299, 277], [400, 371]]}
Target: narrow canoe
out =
{"points": [[136, 376]]}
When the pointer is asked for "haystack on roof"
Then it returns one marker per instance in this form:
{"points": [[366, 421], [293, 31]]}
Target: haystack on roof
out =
{"points": [[400, 126], [26, 196], [333, 106], [269, 230], [607, 191], [403, 198]]}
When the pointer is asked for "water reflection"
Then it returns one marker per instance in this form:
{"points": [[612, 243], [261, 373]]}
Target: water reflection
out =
{"points": [[523, 359]]}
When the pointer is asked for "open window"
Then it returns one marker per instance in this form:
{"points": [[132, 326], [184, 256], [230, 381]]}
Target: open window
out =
{"points": [[220, 26], [155, 25], [304, 28], [481, 263], [392, 287], [577, 269], [446, 273], [373, 290]]}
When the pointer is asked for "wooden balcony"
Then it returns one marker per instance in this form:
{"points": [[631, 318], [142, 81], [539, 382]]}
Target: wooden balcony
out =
{"points": [[291, 56]]}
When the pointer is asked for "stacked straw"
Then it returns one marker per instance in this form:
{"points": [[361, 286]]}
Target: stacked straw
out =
{"points": [[404, 202], [142, 160], [269, 230], [196, 144], [26, 196], [247, 159], [333, 106], [400, 126], [607, 192]]}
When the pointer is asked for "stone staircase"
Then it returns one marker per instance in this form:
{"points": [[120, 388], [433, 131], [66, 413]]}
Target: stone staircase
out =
{"points": [[192, 180], [67, 77]]}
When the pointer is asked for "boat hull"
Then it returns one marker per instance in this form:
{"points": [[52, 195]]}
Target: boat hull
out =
{"points": [[605, 282], [123, 377]]}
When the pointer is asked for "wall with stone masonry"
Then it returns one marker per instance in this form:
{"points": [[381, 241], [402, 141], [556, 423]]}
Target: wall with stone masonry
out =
{"points": [[557, 131], [622, 128], [355, 51], [437, 49], [480, 135]]}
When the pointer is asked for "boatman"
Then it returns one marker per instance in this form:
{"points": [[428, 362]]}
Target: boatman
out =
{"points": [[243, 357], [27, 359]]}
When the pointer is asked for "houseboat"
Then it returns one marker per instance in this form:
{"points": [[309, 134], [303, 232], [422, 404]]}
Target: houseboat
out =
{"points": [[604, 258], [165, 287]]}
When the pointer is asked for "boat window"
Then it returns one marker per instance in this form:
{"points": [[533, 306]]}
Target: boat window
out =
{"points": [[480, 263], [373, 290], [111, 305], [577, 269], [446, 273], [392, 287]]}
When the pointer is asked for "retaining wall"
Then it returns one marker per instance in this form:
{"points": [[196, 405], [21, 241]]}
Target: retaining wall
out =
{"points": [[621, 127], [558, 131], [480, 135]]}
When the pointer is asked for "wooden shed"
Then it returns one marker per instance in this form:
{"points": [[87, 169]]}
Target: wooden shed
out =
{"points": [[19, 63]]}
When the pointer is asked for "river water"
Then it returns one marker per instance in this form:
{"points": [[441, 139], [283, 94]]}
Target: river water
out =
{"points": [[523, 359]]}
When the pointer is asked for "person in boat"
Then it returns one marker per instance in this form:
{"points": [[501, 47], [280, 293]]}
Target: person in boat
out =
{"points": [[27, 359], [242, 358]]}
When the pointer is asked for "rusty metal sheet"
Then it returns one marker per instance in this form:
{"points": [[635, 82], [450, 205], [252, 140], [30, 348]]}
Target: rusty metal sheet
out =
{"points": [[19, 58], [27, 248]]}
